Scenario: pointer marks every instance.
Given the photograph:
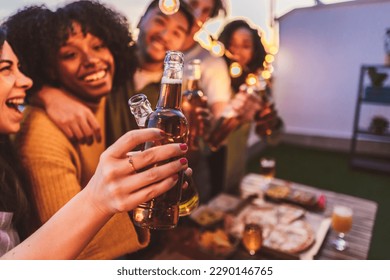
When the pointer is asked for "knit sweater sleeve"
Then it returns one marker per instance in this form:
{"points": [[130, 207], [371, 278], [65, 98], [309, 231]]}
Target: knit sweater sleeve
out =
{"points": [[55, 168]]}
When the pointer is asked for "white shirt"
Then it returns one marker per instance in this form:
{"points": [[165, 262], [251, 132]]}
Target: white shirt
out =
{"points": [[215, 79]]}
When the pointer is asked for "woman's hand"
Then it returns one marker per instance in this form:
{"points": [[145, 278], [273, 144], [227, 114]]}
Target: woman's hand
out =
{"points": [[75, 119], [124, 180], [246, 105]]}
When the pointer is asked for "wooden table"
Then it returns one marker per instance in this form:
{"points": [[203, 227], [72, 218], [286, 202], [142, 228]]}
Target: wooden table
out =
{"points": [[180, 242]]}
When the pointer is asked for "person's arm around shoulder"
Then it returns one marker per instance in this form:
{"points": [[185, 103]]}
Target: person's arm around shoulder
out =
{"points": [[74, 118], [115, 187]]}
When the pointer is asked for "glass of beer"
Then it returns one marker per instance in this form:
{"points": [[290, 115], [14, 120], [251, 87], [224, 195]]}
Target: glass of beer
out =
{"points": [[268, 167], [252, 238], [341, 223]]}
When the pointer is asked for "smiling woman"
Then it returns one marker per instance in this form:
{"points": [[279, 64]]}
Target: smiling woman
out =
{"points": [[113, 188], [12, 92]]}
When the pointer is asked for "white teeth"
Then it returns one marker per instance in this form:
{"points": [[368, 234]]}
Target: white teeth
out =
{"points": [[95, 76], [15, 101], [158, 45]]}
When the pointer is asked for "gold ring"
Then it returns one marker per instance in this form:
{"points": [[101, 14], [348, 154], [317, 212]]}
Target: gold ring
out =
{"points": [[132, 163]]}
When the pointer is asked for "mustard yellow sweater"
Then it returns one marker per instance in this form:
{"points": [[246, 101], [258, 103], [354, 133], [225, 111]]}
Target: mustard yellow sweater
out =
{"points": [[59, 169]]}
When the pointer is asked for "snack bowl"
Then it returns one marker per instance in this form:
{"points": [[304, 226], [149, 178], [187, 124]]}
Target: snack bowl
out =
{"points": [[217, 243]]}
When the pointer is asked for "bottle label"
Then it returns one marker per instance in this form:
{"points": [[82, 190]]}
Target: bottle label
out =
{"points": [[166, 80]]}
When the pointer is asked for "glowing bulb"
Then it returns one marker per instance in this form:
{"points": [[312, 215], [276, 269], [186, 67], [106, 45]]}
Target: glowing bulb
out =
{"points": [[169, 7], [266, 74], [251, 79], [273, 50], [269, 58], [217, 48], [235, 70]]}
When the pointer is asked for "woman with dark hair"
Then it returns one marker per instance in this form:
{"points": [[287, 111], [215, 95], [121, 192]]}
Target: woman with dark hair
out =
{"points": [[81, 55], [243, 43], [114, 187]]}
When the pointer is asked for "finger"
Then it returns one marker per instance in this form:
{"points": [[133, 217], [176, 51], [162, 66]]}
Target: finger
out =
{"points": [[156, 174], [158, 154], [95, 126], [87, 132], [79, 135], [147, 193], [150, 157], [68, 132], [132, 139]]}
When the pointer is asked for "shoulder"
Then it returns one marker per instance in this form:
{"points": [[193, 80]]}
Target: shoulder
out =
{"points": [[38, 132]]}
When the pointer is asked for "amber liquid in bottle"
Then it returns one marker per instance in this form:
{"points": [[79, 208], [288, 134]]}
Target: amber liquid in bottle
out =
{"points": [[162, 212], [141, 109], [194, 98]]}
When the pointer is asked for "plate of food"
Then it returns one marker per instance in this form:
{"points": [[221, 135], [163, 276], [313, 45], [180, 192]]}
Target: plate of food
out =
{"points": [[206, 216], [217, 243]]}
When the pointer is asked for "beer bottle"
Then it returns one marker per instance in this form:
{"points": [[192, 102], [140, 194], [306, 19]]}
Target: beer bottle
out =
{"points": [[162, 212], [140, 107], [193, 98], [269, 125]]}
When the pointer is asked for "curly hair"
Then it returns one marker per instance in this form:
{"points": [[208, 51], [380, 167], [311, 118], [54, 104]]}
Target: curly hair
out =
{"points": [[110, 26], [37, 34], [259, 52]]}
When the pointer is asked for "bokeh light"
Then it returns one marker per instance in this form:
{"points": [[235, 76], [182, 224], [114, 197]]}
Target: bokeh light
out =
{"points": [[169, 7]]}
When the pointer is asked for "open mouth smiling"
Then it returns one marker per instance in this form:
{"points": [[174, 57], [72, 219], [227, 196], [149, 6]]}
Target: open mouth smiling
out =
{"points": [[16, 103], [96, 76]]}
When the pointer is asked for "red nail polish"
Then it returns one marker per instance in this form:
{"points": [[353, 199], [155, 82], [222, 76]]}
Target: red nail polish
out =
{"points": [[183, 161], [183, 147]]}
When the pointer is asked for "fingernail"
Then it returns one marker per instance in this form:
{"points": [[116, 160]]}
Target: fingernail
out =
{"points": [[183, 146], [175, 177], [162, 133], [183, 161]]}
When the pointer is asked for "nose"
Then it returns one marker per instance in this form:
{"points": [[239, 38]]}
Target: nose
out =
{"points": [[89, 60], [22, 81]]}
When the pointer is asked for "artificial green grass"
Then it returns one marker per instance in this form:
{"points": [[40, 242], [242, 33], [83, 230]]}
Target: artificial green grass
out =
{"points": [[330, 170]]}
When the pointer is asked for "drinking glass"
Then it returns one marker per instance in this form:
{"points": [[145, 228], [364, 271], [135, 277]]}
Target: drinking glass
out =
{"points": [[341, 223], [268, 167], [252, 238]]}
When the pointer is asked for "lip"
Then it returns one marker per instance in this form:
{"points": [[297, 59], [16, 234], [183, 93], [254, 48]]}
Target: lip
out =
{"points": [[158, 44], [16, 113]]}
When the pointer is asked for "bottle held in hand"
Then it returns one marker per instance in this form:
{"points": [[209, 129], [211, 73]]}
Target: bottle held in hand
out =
{"points": [[162, 212], [140, 107], [193, 98]]}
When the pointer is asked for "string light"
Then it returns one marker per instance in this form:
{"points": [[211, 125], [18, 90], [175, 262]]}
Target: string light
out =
{"points": [[235, 70], [217, 48], [251, 79], [169, 7]]}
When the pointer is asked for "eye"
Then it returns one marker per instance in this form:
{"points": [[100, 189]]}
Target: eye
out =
{"points": [[5, 68], [100, 46], [159, 21], [67, 55]]}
